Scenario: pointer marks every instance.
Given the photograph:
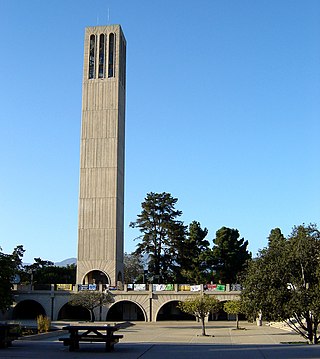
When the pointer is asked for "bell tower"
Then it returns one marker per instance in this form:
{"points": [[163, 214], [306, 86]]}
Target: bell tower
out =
{"points": [[101, 192]]}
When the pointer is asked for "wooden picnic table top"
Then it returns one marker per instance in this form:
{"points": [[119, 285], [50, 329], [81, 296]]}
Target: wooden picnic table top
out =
{"points": [[86, 327], [75, 328]]}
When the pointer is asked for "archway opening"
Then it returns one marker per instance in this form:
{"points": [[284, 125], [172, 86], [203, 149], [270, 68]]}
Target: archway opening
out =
{"points": [[220, 315], [28, 309], [125, 310], [96, 277], [170, 311], [73, 312]]}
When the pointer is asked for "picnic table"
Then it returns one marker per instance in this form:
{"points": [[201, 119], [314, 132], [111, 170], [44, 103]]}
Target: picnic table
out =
{"points": [[91, 333], [8, 333]]}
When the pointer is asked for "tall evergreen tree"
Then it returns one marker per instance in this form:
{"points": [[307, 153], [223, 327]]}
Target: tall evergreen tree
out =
{"points": [[159, 226], [194, 255], [276, 238], [230, 255]]}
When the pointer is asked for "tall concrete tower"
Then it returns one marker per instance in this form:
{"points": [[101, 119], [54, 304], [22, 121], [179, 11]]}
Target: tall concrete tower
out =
{"points": [[101, 193]]}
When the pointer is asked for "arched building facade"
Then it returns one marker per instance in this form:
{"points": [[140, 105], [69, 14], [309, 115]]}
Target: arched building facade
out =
{"points": [[147, 305]]}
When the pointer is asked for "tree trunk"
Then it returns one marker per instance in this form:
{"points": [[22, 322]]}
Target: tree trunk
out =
{"points": [[314, 340], [315, 329], [237, 320], [203, 326], [312, 332], [309, 331]]}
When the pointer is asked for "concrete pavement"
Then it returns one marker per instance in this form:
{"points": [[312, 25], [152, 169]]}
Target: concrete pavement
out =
{"points": [[176, 340]]}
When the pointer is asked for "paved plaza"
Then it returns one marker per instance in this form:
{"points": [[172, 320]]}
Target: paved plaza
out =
{"points": [[175, 340]]}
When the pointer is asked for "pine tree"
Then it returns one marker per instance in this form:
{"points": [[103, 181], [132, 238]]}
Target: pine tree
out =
{"points": [[230, 255], [194, 255], [160, 230]]}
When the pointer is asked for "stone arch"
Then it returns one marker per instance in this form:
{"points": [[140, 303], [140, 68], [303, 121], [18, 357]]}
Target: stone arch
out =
{"points": [[70, 312], [125, 309], [96, 276], [28, 309], [170, 311], [221, 315]]}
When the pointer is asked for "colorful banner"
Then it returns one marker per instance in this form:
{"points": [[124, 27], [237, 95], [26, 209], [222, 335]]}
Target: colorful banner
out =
{"points": [[87, 287], [236, 287], [210, 287], [162, 287], [139, 287], [215, 287], [169, 287], [64, 286], [83, 287], [184, 287], [221, 287], [195, 288]]}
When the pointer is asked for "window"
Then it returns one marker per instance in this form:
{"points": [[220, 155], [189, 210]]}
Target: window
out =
{"points": [[122, 62], [101, 71], [92, 56], [111, 56]]}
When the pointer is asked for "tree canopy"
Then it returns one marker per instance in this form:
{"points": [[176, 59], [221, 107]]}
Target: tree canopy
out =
{"points": [[158, 222], [90, 300], [9, 267], [45, 272], [233, 307], [284, 281], [230, 255], [200, 306], [194, 255], [177, 253], [133, 268]]}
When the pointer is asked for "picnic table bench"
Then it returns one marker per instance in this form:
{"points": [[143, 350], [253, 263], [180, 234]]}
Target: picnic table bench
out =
{"points": [[91, 333], [8, 333]]}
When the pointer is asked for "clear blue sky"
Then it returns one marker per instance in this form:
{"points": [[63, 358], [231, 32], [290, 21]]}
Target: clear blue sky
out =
{"points": [[223, 109]]}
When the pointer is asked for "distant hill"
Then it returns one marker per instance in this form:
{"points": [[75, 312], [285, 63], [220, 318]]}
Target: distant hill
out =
{"points": [[66, 262]]}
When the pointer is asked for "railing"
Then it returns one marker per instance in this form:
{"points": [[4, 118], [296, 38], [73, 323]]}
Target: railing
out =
{"points": [[132, 287], [183, 287]]}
